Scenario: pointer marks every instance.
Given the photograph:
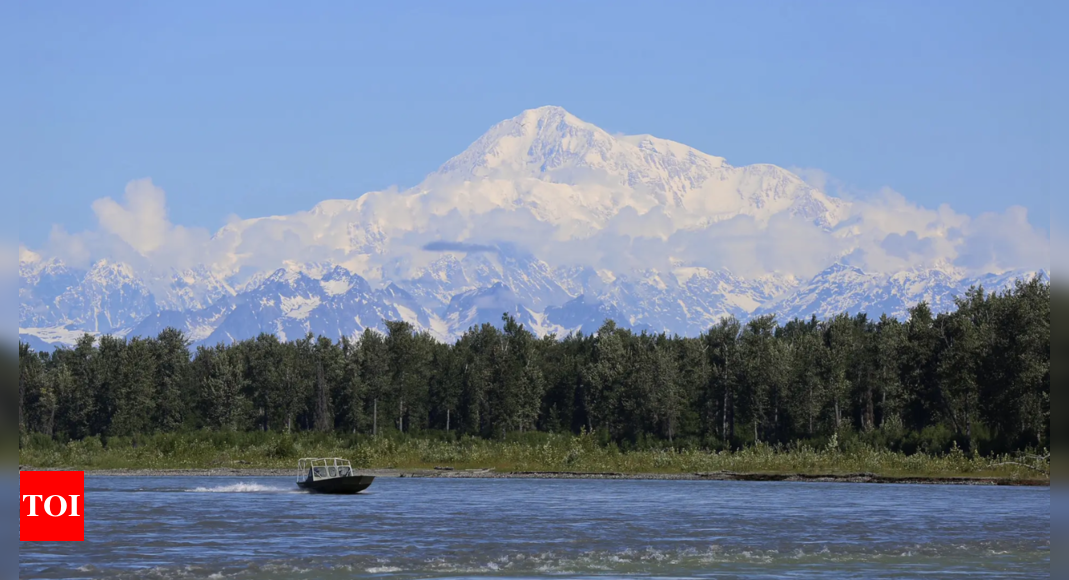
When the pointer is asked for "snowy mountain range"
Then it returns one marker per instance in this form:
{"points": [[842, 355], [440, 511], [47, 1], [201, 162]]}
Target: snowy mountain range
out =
{"points": [[545, 217]]}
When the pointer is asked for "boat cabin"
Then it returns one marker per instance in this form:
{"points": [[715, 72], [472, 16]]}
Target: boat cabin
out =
{"points": [[316, 469]]}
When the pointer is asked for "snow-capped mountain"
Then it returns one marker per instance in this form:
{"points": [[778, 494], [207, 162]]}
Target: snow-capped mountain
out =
{"points": [[565, 170], [108, 298], [546, 217], [291, 303], [40, 284], [436, 284], [190, 289], [543, 178], [487, 305], [843, 288]]}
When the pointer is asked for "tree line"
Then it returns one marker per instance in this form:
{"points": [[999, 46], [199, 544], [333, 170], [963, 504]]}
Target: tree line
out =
{"points": [[978, 377]]}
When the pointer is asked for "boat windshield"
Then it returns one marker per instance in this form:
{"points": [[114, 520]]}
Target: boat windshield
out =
{"points": [[323, 468]]}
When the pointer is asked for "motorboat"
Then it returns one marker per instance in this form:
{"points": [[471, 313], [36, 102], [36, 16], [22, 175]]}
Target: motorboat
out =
{"points": [[330, 475]]}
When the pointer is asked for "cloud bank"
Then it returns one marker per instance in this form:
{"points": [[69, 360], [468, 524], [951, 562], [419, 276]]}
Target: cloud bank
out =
{"points": [[881, 232], [137, 231]]}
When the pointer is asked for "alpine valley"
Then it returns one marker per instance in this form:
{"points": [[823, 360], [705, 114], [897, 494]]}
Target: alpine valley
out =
{"points": [[546, 217]]}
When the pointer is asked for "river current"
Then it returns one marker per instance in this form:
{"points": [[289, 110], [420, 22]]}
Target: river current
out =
{"points": [[172, 527]]}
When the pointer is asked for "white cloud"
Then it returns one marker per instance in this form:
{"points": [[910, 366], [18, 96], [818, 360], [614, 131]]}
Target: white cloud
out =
{"points": [[73, 249], [997, 242], [384, 231], [137, 232], [27, 256], [817, 178], [142, 222]]}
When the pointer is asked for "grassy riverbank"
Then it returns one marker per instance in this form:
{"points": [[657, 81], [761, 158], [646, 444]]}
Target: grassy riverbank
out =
{"points": [[541, 453]]}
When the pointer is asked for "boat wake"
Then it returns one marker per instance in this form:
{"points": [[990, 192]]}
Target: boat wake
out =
{"points": [[244, 488]]}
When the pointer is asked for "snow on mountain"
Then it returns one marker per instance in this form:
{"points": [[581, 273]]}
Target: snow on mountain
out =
{"points": [[436, 284], [543, 174], [190, 289], [36, 343], [1006, 280], [566, 170], [469, 243], [721, 293], [198, 325], [108, 298], [842, 288], [486, 306], [40, 285], [292, 304], [586, 315]]}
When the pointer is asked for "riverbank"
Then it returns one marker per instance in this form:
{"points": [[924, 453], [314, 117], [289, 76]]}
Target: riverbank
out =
{"points": [[449, 473], [548, 456]]}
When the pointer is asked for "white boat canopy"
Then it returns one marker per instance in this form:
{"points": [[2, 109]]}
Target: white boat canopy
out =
{"points": [[318, 468]]}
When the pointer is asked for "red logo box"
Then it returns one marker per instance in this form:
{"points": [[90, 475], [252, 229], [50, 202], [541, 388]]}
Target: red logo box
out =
{"points": [[52, 506]]}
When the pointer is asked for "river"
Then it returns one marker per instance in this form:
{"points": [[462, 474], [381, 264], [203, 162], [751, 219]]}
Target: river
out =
{"points": [[172, 527]]}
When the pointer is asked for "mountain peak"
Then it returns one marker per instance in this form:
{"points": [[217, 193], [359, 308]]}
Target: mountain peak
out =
{"points": [[105, 268], [531, 143], [550, 145], [549, 115]]}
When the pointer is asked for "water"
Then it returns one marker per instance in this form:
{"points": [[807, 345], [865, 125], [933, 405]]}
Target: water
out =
{"points": [[419, 528]]}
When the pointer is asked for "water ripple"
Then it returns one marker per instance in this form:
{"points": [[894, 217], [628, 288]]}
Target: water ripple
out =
{"points": [[407, 529]]}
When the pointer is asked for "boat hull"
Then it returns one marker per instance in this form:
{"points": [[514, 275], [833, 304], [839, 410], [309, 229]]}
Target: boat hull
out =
{"points": [[338, 485]]}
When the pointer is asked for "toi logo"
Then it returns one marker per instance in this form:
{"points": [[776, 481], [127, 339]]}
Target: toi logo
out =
{"points": [[52, 506]]}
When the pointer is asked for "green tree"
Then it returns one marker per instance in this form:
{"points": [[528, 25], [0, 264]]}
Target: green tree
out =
{"points": [[519, 386], [29, 369], [219, 375], [669, 396], [981, 372], [605, 378], [920, 380], [726, 371], [374, 360], [965, 340], [807, 394], [889, 344], [764, 376], [840, 342], [408, 354], [131, 388], [171, 351], [76, 404], [349, 396]]}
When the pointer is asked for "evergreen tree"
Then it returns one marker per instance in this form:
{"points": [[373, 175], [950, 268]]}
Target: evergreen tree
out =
{"points": [[131, 388], [374, 364], [219, 375], [726, 374], [889, 344], [349, 398], [981, 373], [605, 378], [807, 393], [171, 351], [764, 376]]}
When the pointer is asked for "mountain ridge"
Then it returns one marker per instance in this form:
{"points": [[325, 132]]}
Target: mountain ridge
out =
{"points": [[545, 216], [290, 303]]}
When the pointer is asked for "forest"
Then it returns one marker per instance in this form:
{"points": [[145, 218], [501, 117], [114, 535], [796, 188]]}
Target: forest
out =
{"points": [[976, 379]]}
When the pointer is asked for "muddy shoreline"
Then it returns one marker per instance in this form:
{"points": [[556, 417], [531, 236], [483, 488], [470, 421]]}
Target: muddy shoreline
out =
{"points": [[448, 473]]}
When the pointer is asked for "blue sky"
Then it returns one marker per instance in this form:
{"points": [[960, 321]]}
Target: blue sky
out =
{"points": [[257, 108]]}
